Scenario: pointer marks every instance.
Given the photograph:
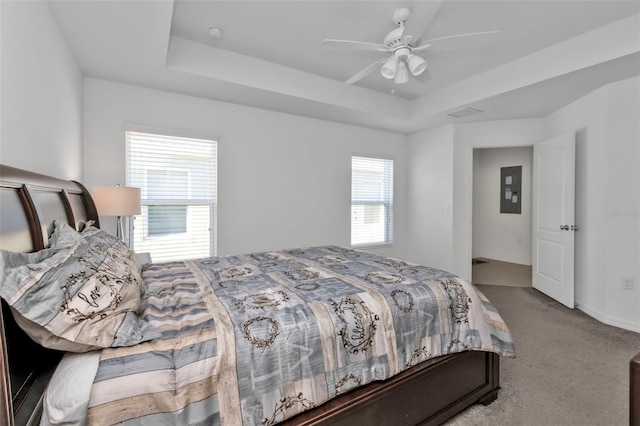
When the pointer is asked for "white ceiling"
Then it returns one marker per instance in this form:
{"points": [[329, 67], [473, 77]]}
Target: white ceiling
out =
{"points": [[547, 54]]}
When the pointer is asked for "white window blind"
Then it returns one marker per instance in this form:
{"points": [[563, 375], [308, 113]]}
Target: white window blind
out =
{"points": [[178, 184], [371, 201]]}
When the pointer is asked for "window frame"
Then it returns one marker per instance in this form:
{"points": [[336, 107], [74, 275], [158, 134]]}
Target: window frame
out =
{"points": [[386, 201], [210, 201]]}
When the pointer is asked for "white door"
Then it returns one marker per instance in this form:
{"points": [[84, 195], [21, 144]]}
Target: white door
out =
{"points": [[553, 217]]}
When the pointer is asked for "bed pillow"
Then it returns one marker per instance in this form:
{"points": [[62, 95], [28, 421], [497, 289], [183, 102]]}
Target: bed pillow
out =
{"points": [[63, 236], [66, 399], [128, 256], [86, 293], [92, 233], [45, 338]]}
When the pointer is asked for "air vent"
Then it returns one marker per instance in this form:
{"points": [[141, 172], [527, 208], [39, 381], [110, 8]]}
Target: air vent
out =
{"points": [[465, 112]]}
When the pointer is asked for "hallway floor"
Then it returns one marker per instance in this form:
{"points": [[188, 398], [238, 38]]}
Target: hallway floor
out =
{"points": [[496, 272]]}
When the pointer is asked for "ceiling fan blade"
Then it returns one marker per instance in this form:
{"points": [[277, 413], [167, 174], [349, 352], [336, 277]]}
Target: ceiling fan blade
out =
{"points": [[425, 45], [457, 36], [351, 44], [421, 17], [365, 72]]}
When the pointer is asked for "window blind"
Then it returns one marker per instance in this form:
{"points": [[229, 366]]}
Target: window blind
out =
{"points": [[178, 185], [371, 201]]}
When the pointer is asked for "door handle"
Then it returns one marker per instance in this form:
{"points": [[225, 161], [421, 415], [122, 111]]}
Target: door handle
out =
{"points": [[564, 227], [574, 227]]}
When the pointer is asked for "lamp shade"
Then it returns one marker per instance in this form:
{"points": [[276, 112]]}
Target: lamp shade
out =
{"points": [[116, 200], [389, 68], [416, 65]]}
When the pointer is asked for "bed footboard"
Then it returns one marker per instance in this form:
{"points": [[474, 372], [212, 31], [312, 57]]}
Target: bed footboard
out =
{"points": [[428, 394], [634, 391]]}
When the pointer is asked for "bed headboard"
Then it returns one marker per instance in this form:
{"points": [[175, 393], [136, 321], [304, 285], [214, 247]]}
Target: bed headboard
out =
{"points": [[29, 204]]}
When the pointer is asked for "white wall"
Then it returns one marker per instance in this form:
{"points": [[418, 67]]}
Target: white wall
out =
{"points": [[467, 137], [430, 197], [607, 193], [440, 165], [283, 180], [496, 235], [41, 101], [607, 199]]}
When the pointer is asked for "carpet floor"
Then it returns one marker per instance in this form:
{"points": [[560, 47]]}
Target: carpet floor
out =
{"points": [[497, 272], [570, 369]]}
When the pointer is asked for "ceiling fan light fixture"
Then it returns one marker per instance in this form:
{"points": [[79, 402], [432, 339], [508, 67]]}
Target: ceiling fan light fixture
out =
{"points": [[416, 65], [402, 75], [401, 42], [389, 68]]}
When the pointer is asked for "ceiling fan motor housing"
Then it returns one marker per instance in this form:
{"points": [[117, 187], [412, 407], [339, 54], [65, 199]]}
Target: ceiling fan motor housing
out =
{"points": [[394, 38], [400, 15], [402, 53]]}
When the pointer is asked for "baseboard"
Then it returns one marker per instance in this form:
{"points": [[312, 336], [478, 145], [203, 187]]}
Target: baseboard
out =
{"points": [[627, 325]]}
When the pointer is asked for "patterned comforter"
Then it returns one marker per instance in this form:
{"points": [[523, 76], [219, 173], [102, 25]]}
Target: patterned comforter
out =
{"points": [[254, 339]]}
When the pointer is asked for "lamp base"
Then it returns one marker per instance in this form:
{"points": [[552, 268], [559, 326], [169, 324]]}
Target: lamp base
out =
{"points": [[119, 229]]}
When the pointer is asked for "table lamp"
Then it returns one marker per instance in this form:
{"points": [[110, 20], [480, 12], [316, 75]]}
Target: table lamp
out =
{"points": [[117, 201]]}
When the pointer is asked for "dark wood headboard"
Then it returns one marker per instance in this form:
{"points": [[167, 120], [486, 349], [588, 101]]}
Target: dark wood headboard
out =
{"points": [[29, 204]]}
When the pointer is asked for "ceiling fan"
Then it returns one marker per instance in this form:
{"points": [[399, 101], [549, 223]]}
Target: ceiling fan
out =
{"points": [[402, 42]]}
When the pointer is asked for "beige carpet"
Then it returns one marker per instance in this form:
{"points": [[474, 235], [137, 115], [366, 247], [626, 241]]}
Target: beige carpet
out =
{"points": [[570, 369], [496, 272]]}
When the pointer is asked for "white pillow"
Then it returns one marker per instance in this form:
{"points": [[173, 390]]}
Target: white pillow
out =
{"points": [[66, 399]]}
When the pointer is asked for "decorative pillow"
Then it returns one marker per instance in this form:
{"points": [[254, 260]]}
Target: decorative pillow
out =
{"points": [[84, 225], [86, 292], [92, 233], [63, 236], [128, 256], [45, 338]]}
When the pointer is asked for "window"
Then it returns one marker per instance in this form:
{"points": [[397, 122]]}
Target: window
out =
{"points": [[167, 185], [371, 201], [177, 181]]}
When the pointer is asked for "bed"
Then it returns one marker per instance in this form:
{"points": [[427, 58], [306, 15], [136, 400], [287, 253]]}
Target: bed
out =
{"points": [[424, 386]]}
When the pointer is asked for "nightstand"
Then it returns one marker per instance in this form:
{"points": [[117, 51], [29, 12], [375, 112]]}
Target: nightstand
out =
{"points": [[144, 258]]}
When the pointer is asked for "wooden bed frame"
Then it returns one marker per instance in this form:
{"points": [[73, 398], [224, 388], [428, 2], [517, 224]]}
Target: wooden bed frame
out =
{"points": [[429, 393]]}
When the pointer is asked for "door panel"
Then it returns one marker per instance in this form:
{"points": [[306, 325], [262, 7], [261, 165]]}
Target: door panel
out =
{"points": [[550, 256], [553, 217]]}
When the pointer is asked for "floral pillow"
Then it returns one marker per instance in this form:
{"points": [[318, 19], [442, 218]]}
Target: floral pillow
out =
{"points": [[85, 289]]}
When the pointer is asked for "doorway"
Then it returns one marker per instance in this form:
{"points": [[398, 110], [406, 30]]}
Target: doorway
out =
{"points": [[502, 238]]}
